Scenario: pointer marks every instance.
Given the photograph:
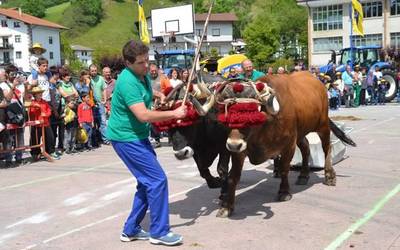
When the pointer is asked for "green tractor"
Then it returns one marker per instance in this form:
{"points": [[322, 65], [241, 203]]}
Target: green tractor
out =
{"points": [[368, 57]]}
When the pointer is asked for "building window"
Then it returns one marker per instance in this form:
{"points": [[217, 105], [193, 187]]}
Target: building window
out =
{"points": [[198, 32], [18, 55], [327, 44], [367, 40], [395, 7], [16, 25], [328, 17], [17, 38], [4, 23], [51, 55], [84, 53], [372, 9], [216, 32], [50, 40], [395, 40], [6, 57]]}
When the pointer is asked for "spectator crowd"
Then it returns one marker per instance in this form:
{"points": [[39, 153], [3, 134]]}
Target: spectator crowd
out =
{"points": [[75, 113]]}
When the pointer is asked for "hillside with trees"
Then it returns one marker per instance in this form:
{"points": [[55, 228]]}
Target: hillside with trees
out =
{"points": [[272, 29]]}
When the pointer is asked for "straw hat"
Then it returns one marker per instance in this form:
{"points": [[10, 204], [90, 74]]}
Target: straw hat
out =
{"points": [[37, 46], [338, 73], [36, 90]]}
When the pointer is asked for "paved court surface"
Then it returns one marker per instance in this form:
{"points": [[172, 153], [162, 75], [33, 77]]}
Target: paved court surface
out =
{"points": [[81, 201]]}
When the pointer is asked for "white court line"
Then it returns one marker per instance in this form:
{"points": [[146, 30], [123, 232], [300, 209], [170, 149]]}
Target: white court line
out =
{"points": [[57, 176], [34, 219], [127, 211], [102, 220]]}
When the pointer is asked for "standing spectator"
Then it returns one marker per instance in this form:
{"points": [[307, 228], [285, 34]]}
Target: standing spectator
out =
{"points": [[357, 81], [68, 93], [370, 86], [83, 84], [56, 120], [156, 86], [249, 72], [232, 73], [71, 125], [379, 86], [281, 70], [43, 79], [340, 86], [174, 78], [332, 72], [85, 118], [364, 86], [99, 90], [129, 131], [40, 111], [110, 82], [334, 95], [348, 87], [270, 71], [14, 92], [3, 105], [185, 76]]}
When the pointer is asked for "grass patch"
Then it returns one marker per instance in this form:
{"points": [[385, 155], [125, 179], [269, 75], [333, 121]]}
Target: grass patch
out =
{"points": [[55, 13], [117, 26]]}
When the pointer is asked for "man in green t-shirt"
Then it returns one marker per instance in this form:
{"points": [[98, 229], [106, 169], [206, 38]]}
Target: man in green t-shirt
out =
{"points": [[99, 86], [128, 130], [249, 72]]}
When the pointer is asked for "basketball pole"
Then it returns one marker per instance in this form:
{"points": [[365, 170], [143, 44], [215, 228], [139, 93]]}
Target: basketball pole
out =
{"points": [[197, 55]]}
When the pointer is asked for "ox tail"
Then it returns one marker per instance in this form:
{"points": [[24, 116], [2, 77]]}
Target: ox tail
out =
{"points": [[340, 134]]}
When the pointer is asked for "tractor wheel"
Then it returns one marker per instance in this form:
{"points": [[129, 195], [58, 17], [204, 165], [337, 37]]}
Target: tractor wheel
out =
{"points": [[391, 88]]}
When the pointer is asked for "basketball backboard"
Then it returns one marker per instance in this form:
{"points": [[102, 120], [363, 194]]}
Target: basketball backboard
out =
{"points": [[178, 20]]}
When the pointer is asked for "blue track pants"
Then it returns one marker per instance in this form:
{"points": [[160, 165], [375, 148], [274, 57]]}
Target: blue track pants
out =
{"points": [[152, 187]]}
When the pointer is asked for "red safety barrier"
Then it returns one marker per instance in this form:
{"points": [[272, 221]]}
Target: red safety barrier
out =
{"points": [[41, 143]]}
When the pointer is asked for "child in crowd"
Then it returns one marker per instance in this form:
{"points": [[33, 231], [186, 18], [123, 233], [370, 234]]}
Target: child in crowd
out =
{"points": [[71, 125], [40, 111], [334, 95], [85, 118], [37, 52]]}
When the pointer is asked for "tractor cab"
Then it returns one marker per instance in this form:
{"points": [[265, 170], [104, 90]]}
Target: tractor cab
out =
{"points": [[180, 59]]}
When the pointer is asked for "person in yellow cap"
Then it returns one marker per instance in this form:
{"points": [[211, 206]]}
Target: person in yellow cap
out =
{"points": [[37, 52]]}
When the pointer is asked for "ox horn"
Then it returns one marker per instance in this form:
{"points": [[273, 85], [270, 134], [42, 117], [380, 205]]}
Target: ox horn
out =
{"points": [[201, 91], [272, 105]]}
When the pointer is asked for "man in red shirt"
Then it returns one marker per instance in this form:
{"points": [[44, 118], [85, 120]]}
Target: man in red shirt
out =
{"points": [[85, 118], [40, 111]]}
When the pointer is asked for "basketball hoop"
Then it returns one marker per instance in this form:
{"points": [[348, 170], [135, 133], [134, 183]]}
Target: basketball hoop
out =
{"points": [[168, 37]]}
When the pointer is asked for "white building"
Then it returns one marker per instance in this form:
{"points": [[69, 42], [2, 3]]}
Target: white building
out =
{"points": [[329, 26], [219, 35], [18, 31], [84, 54]]}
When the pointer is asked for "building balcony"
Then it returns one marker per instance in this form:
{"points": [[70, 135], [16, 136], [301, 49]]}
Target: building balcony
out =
{"points": [[6, 46], [6, 61]]}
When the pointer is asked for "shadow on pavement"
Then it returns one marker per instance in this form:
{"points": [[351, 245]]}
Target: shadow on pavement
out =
{"points": [[255, 191]]}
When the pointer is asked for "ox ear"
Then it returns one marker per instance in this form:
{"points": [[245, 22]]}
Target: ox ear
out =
{"points": [[272, 105]]}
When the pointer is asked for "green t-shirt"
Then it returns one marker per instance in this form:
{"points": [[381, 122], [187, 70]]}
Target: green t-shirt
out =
{"points": [[254, 76], [67, 87], [123, 125], [98, 85]]}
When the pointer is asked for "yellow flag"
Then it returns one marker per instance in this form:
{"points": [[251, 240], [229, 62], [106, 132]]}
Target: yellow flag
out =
{"points": [[357, 18], [143, 31]]}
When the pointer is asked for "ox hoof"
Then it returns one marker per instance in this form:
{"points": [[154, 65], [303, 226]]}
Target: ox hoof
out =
{"points": [[302, 180], [284, 196], [224, 213], [330, 181], [277, 175], [214, 182]]}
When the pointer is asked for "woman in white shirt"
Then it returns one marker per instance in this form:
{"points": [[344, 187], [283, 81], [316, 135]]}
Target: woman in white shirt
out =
{"points": [[174, 78]]}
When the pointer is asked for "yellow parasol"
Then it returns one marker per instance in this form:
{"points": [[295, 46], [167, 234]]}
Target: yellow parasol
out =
{"points": [[227, 62]]}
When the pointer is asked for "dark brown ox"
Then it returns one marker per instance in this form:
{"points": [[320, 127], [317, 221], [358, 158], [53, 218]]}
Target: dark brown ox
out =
{"points": [[303, 109]]}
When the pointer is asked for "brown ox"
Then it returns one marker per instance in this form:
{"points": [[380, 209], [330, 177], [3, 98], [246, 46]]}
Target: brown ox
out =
{"points": [[303, 109]]}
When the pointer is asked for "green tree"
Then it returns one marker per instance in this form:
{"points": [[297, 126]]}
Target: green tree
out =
{"points": [[276, 25], [34, 7]]}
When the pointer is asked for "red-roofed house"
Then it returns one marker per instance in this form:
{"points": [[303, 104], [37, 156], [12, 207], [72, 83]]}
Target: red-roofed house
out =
{"points": [[18, 31]]}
